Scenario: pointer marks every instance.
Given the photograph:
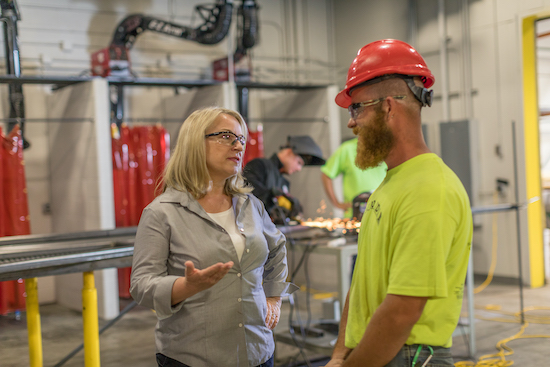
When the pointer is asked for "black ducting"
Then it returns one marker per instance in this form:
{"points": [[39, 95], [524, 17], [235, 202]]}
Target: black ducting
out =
{"points": [[217, 20], [248, 26]]}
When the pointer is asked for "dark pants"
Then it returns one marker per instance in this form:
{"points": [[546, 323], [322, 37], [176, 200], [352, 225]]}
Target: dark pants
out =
{"points": [[164, 361], [441, 357]]}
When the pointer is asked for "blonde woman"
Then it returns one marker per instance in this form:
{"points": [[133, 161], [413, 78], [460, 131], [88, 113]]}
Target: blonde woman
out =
{"points": [[207, 257]]}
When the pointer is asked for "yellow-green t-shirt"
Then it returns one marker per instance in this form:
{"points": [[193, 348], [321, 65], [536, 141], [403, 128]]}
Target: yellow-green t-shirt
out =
{"points": [[355, 180], [415, 240]]}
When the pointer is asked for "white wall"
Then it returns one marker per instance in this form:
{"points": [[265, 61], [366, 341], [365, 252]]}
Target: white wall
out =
{"points": [[494, 27]]}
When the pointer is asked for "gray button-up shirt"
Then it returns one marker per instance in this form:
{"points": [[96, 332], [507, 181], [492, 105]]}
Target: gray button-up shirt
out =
{"points": [[225, 324]]}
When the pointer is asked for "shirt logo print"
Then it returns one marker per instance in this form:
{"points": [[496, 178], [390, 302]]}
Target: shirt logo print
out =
{"points": [[375, 206]]}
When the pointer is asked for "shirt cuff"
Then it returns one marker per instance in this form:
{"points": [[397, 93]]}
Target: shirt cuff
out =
{"points": [[162, 299], [279, 289]]}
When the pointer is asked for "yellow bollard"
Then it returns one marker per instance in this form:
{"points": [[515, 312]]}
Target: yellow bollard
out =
{"points": [[33, 323], [90, 321]]}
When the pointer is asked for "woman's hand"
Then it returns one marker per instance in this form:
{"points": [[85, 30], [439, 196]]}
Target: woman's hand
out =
{"points": [[196, 280], [201, 280], [273, 312]]}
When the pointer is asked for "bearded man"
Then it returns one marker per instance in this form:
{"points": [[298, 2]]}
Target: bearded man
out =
{"points": [[413, 248]]}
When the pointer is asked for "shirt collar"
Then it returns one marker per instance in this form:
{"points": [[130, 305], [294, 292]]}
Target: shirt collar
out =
{"points": [[184, 198]]}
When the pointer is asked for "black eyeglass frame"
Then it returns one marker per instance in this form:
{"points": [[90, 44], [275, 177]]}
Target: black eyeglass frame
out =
{"points": [[240, 138]]}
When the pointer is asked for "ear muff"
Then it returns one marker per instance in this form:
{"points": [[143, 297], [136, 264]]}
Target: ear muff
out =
{"points": [[427, 97], [424, 95]]}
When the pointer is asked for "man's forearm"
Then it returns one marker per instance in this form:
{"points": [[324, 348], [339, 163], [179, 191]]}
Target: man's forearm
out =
{"points": [[329, 189], [340, 351]]}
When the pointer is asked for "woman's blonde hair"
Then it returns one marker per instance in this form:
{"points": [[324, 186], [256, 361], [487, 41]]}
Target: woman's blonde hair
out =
{"points": [[186, 170]]}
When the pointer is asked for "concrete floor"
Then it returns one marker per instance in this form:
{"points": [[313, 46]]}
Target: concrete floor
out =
{"points": [[130, 342]]}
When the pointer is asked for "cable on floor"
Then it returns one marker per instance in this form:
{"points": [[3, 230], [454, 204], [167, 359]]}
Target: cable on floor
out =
{"points": [[499, 359], [515, 316]]}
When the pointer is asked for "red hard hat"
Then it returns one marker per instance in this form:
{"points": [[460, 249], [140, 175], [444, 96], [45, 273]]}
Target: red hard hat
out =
{"points": [[384, 57]]}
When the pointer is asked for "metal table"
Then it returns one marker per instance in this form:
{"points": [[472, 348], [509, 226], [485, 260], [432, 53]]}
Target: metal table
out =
{"points": [[34, 256], [37, 256], [318, 241]]}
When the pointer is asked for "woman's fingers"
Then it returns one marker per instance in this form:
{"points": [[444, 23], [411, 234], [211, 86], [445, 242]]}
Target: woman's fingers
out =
{"points": [[189, 267], [273, 314], [206, 278], [217, 271]]}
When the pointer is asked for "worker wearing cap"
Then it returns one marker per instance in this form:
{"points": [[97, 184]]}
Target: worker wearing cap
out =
{"points": [[413, 248], [265, 175]]}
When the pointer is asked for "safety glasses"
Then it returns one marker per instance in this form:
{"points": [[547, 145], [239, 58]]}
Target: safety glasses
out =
{"points": [[356, 109], [227, 138]]}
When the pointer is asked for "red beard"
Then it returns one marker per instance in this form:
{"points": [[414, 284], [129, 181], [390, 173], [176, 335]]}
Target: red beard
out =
{"points": [[375, 141]]}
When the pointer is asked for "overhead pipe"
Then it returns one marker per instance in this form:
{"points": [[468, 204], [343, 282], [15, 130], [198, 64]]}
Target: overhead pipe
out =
{"points": [[330, 41], [291, 41], [298, 47], [466, 60], [413, 22], [10, 16], [442, 23]]}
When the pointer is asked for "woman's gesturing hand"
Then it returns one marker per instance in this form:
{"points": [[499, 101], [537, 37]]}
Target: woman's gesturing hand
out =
{"points": [[200, 280], [273, 312], [196, 280]]}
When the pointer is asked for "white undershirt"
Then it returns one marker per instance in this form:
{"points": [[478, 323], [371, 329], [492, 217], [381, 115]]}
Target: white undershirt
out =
{"points": [[226, 220]]}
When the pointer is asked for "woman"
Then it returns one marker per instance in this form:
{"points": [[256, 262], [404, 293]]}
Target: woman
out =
{"points": [[207, 257]]}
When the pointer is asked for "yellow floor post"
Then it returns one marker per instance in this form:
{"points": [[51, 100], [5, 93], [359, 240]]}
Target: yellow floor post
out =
{"points": [[33, 323], [535, 209], [90, 321]]}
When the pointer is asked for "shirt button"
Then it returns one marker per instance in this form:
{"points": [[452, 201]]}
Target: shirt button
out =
{"points": [[239, 275], [240, 325], [239, 299], [247, 250]]}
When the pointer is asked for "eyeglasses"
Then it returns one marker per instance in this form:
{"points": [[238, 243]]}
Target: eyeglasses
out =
{"points": [[227, 138], [356, 109]]}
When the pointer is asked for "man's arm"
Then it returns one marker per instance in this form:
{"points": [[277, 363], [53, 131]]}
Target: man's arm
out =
{"points": [[340, 351], [329, 190], [387, 332]]}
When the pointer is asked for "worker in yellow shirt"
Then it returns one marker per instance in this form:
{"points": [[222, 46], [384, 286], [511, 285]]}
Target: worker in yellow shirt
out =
{"points": [[413, 248]]}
